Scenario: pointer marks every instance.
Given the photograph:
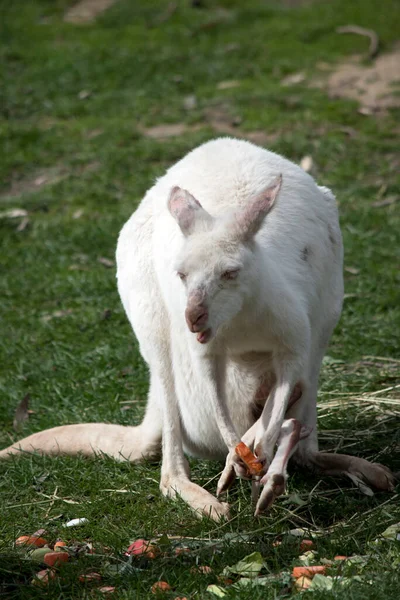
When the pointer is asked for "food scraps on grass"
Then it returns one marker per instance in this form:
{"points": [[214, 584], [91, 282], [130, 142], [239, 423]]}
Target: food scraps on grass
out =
{"points": [[308, 571], [76, 522], [38, 554], [180, 551], [204, 569], [303, 583], [306, 545], [59, 545], [253, 465], [43, 577], [89, 577], [30, 540], [54, 559], [160, 586], [142, 548]]}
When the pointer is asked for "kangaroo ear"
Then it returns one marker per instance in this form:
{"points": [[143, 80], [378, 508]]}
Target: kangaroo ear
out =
{"points": [[186, 210], [250, 218]]}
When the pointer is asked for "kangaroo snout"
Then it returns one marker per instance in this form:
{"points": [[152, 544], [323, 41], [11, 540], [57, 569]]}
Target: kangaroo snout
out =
{"points": [[196, 317]]}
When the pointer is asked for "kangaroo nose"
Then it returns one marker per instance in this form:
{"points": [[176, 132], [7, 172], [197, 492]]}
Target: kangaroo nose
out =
{"points": [[196, 317]]}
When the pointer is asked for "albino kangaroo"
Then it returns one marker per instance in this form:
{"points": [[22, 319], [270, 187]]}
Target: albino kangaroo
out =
{"points": [[230, 272]]}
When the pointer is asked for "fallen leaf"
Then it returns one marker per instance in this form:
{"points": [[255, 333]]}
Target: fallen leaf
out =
{"points": [[293, 79], [13, 213], [385, 202], [21, 413], [107, 262], [307, 558], [75, 267], [366, 111], [298, 532], [190, 102], [93, 133], [89, 577], [352, 270], [307, 163], [227, 85], [217, 590], [39, 533], [83, 94], [57, 314], [321, 582], [392, 532], [23, 225], [86, 11], [249, 566]]}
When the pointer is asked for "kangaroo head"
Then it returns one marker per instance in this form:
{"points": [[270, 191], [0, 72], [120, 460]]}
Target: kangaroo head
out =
{"points": [[216, 264]]}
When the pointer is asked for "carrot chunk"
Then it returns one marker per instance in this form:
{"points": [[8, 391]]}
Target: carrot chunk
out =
{"points": [[251, 462], [308, 571]]}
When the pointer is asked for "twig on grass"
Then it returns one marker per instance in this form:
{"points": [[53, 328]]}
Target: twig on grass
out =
{"points": [[51, 503], [372, 35]]}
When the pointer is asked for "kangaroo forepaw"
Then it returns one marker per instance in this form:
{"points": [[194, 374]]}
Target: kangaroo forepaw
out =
{"points": [[234, 466]]}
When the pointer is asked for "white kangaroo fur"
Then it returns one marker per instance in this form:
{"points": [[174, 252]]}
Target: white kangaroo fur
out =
{"points": [[230, 272]]}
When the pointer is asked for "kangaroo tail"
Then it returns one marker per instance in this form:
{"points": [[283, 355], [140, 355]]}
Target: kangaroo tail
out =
{"points": [[118, 441]]}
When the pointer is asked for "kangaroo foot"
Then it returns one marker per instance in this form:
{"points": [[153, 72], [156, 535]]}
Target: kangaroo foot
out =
{"points": [[364, 474], [199, 500]]}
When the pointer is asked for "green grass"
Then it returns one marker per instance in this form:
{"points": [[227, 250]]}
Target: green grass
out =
{"points": [[85, 365]]}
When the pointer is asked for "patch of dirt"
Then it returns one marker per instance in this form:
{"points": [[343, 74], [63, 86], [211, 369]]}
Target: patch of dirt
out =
{"points": [[86, 11], [372, 86], [160, 132], [35, 182], [216, 117], [45, 177]]}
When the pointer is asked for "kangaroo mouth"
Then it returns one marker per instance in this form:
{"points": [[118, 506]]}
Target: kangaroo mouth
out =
{"points": [[204, 336]]}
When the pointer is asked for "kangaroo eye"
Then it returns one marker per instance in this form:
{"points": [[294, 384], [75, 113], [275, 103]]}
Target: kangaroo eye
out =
{"points": [[228, 275], [181, 275]]}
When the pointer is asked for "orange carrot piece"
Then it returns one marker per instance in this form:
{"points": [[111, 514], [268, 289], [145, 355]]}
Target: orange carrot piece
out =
{"points": [[160, 586], [55, 559], [306, 545], [308, 571], [251, 462], [30, 540]]}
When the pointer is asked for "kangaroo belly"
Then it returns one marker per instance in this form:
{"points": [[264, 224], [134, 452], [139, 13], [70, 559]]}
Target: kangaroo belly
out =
{"points": [[248, 381]]}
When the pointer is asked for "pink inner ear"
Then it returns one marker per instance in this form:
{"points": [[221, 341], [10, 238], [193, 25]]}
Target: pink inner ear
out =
{"points": [[183, 207], [251, 217]]}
